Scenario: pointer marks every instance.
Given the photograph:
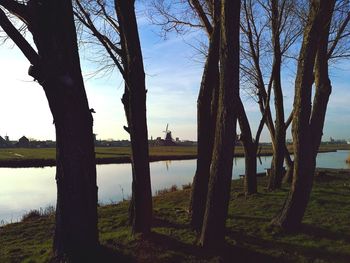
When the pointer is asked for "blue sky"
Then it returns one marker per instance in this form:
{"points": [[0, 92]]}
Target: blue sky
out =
{"points": [[173, 74]]}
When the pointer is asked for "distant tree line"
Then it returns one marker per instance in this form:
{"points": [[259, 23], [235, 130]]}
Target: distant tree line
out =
{"points": [[242, 38]]}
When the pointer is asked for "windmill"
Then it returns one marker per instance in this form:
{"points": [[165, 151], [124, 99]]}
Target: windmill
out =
{"points": [[168, 138]]}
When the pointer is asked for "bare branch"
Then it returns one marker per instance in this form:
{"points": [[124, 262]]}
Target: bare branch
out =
{"points": [[338, 36], [17, 9], [289, 120], [176, 16], [202, 16], [18, 39], [83, 14]]}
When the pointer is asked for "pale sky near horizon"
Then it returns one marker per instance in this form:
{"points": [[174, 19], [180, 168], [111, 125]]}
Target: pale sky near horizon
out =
{"points": [[173, 75]]}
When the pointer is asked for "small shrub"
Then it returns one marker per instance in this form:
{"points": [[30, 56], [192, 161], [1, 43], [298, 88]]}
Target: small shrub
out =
{"points": [[32, 214], [348, 159], [48, 211], [172, 188], [186, 186]]}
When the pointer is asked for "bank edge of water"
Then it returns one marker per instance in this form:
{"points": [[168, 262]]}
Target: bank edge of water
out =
{"points": [[323, 238], [26, 163]]}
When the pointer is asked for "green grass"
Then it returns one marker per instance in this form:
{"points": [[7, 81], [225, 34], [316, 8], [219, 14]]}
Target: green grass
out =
{"points": [[27, 153], [114, 153], [101, 152], [324, 237]]}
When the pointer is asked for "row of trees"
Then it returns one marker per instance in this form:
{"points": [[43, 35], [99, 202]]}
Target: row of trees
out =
{"points": [[237, 49], [271, 32]]}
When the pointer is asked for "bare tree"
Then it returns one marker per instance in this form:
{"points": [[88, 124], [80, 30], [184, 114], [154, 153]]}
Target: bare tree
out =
{"points": [[308, 120], [213, 231], [186, 16], [183, 16], [118, 37], [338, 41], [206, 123], [265, 21], [57, 70], [134, 100]]}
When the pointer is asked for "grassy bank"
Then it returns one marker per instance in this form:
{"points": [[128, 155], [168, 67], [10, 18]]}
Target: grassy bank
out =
{"points": [[324, 237], [32, 157]]}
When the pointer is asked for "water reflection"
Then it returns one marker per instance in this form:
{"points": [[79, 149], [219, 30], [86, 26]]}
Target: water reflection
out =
{"points": [[167, 164], [23, 189]]}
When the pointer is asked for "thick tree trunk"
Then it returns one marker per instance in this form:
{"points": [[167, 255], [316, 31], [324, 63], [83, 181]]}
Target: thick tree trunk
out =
{"points": [[279, 139], [213, 231], [134, 101], [59, 73], [322, 92], [76, 212], [316, 30], [206, 121], [250, 152]]}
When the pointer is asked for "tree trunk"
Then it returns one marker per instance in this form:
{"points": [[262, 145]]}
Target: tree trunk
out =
{"points": [[59, 73], [322, 92], [134, 101], [290, 165], [316, 30], [206, 121], [250, 152], [279, 140], [213, 231]]}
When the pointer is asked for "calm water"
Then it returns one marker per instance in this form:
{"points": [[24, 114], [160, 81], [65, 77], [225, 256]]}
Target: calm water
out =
{"points": [[23, 189]]}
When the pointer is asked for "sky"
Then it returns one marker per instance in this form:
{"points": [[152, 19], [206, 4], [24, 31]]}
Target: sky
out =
{"points": [[173, 74]]}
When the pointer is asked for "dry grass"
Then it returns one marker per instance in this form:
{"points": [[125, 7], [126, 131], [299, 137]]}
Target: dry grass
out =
{"points": [[348, 159], [171, 189]]}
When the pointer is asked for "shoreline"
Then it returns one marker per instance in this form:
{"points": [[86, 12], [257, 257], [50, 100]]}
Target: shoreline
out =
{"points": [[326, 225], [40, 163]]}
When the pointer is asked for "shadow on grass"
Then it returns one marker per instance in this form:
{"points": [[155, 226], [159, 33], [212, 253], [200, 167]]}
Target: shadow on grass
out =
{"points": [[319, 233], [288, 250], [103, 254], [109, 255], [323, 192], [336, 204], [160, 222], [261, 219], [226, 253]]}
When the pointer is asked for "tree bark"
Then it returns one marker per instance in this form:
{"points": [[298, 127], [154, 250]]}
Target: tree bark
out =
{"points": [[213, 231], [322, 92], [290, 165], [279, 140], [134, 100], [206, 121], [250, 152], [58, 72], [303, 130]]}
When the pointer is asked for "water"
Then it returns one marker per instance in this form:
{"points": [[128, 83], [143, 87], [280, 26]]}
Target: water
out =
{"points": [[23, 189]]}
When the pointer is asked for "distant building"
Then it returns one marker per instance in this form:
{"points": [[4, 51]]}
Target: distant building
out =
{"points": [[3, 142], [23, 142]]}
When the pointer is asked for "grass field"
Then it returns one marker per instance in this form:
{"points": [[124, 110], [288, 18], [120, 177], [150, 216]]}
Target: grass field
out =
{"points": [[324, 237], [122, 154]]}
